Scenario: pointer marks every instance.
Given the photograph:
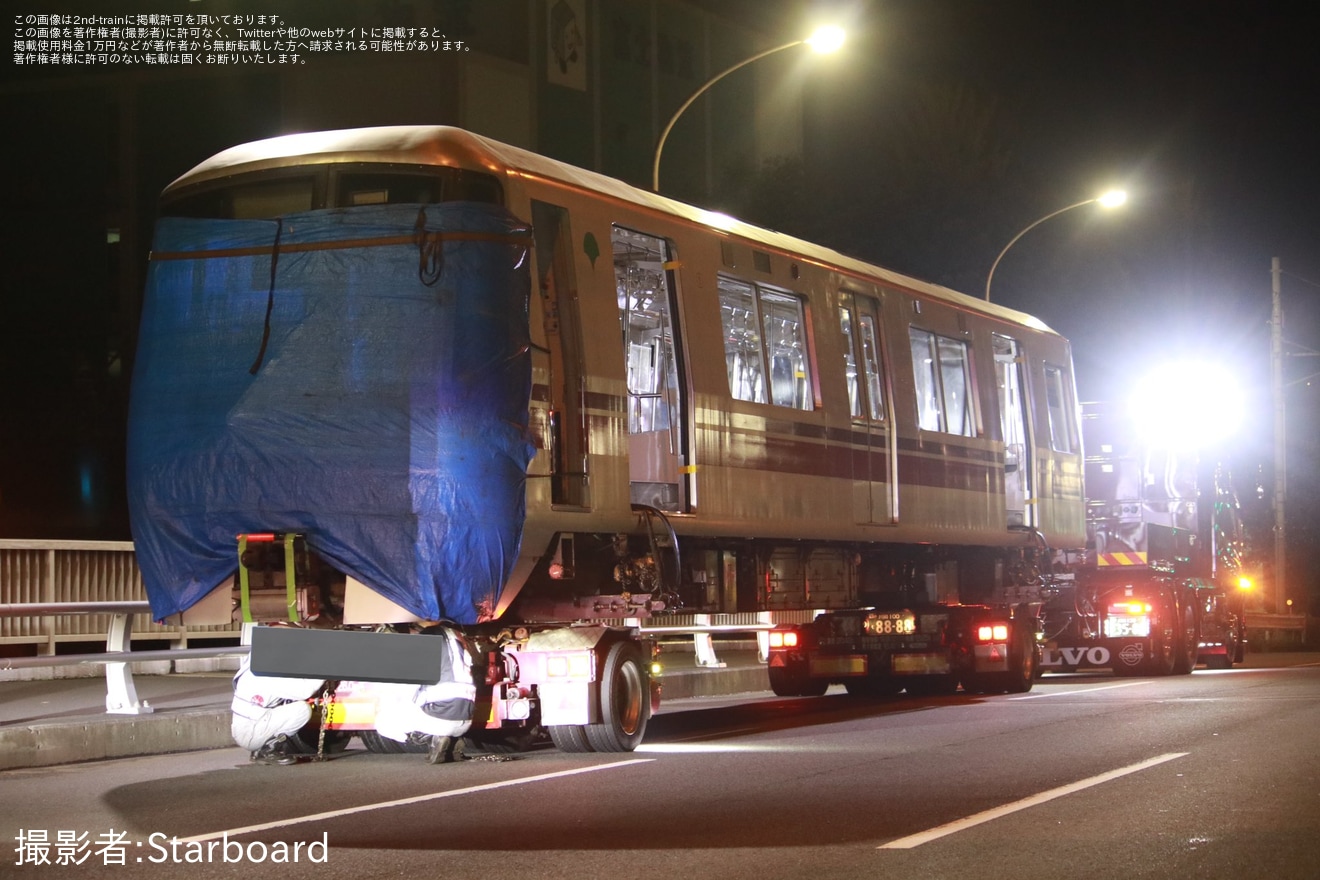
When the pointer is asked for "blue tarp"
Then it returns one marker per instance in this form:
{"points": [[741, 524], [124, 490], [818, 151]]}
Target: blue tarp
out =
{"points": [[384, 417]]}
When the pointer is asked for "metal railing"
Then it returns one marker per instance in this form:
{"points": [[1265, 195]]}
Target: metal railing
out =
{"points": [[37, 572], [120, 693]]}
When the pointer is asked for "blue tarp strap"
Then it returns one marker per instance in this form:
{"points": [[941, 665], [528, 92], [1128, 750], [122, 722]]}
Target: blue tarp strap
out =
{"points": [[270, 298]]}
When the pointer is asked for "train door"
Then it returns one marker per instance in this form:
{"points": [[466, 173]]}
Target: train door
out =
{"points": [[1019, 467], [657, 410], [557, 285], [873, 461]]}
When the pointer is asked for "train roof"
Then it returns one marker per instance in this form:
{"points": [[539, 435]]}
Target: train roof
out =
{"points": [[455, 147]]}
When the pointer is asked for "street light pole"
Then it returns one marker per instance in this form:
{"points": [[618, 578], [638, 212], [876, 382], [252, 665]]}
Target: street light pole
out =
{"points": [[826, 39], [1111, 199]]}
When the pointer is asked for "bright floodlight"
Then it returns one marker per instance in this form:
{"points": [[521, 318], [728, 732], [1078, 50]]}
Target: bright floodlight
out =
{"points": [[1188, 406], [826, 39], [1113, 198]]}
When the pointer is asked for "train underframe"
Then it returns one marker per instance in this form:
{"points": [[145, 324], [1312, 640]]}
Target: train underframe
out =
{"points": [[891, 617]]}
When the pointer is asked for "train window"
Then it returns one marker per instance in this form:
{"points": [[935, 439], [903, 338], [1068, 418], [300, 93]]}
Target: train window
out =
{"points": [[643, 295], [765, 345], [786, 349], [871, 359], [859, 332], [266, 195], [255, 199], [850, 363], [1063, 437], [390, 187], [742, 340], [941, 368]]}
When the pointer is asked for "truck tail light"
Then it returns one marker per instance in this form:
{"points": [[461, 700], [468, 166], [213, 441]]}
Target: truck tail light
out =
{"points": [[993, 632], [783, 639], [1130, 608]]}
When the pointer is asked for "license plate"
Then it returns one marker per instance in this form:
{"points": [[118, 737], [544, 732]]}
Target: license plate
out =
{"points": [[890, 624], [1127, 627]]}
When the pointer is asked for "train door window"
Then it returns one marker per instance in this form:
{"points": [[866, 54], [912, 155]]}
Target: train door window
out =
{"points": [[765, 345], [850, 363], [644, 284], [1010, 379], [941, 369], [871, 361], [1063, 434], [865, 380]]}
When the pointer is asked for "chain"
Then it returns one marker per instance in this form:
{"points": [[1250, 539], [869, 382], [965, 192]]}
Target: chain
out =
{"points": [[327, 708]]}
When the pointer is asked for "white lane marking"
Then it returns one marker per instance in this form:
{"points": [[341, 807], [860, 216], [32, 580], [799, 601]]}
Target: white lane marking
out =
{"points": [[915, 840], [1126, 684], [421, 798]]}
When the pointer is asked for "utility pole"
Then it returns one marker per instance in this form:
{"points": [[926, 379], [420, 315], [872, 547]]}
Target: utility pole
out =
{"points": [[1280, 437]]}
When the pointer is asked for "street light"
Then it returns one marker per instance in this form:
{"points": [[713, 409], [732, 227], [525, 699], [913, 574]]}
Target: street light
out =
{"points": [[826, 39], [1111, 199]]}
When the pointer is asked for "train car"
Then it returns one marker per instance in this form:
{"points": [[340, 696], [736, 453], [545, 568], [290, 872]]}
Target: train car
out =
{"points": [[716, 417]]}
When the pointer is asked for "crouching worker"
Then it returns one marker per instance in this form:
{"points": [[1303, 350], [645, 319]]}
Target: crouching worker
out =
{"points": [[438, 714], [268, 712]]}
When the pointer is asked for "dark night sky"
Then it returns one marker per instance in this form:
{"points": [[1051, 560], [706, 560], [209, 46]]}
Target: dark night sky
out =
{"points": [[946, 126]]}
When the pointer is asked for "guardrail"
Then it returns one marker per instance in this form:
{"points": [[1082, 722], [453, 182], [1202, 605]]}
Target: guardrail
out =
{"points": [[120, 693], [44, 572], [1276, 629]]}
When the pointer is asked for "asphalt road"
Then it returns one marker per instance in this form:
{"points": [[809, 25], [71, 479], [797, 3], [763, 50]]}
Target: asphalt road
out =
{"points": [[1211, 775]]}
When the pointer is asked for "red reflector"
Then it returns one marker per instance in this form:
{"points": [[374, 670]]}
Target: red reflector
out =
{"points": [[260, 538]]}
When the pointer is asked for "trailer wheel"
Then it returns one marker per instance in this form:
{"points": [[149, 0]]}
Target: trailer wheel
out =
{"points": [[1163, 647], [1024, 664], [569, 737], [792, 681], [1186, 641], [625, 701], [307, 739], [383, 745]]}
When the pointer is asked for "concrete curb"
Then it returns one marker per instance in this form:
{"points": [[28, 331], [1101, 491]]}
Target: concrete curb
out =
{"points": [[50, 743]]}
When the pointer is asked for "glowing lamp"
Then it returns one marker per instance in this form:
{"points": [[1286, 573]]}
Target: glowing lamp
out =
{"points": [[1188, 405]]}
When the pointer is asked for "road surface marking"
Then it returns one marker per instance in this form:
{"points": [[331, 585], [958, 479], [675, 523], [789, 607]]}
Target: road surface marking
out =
{"points": [[1126, 684], [915, 840], [419, 799]]}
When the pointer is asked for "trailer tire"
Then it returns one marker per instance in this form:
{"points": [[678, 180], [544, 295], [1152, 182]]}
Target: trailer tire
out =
{"points": [[625, 701], [569, 737], [1023, 665], [1162, 656], [1186, 641], [787, 681], [383, 745]]}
